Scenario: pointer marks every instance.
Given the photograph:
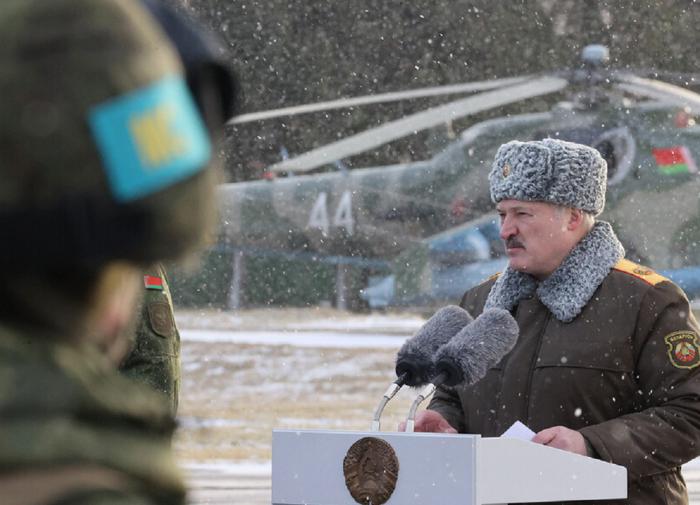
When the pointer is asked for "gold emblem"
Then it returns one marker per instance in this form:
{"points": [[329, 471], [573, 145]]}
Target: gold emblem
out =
{"points": [[683, 349], [371, 470], [642, 271], [506, 169]]}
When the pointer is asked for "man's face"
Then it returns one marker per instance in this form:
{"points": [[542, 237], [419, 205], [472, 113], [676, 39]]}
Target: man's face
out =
{"points": [[535, 235]]}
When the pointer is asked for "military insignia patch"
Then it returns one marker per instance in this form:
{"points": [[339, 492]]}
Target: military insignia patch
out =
{"points": [[152, 282], [506, 170], [160, 319], [683, 349], [150, 138]]}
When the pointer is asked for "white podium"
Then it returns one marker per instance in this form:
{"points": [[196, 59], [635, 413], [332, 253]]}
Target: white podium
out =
{"points": [[307, 468]]}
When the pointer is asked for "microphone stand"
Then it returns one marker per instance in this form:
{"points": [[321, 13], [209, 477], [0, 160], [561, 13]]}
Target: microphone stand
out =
{"points": [[388, 395], [427, 390]]}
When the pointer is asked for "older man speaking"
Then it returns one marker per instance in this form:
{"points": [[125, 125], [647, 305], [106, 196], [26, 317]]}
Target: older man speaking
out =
{"points": [[606, 364]]}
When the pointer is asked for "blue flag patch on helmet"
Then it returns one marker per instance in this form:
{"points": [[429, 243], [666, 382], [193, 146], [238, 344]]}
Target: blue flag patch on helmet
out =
{"points": [[150, 138]]}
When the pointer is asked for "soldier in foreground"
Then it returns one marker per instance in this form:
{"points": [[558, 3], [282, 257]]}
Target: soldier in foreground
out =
{"points": [[607, 360], [106, 171]]}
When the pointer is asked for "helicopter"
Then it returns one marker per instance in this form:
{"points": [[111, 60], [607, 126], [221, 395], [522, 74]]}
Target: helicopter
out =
{"points": [[433, 222]]}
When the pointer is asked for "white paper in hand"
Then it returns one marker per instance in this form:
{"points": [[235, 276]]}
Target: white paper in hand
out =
{"points": [[519, 431]]}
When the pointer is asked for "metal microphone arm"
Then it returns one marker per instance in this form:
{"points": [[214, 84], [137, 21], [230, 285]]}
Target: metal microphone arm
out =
{"points": [[427, 390], [388, 395]]}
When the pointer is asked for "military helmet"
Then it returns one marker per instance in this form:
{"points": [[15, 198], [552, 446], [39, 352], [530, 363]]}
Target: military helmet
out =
{"points": [[203, 55], [105, 155]]}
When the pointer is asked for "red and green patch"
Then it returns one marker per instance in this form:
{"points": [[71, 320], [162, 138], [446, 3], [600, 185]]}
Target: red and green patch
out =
{"points": [[674, 160], [683, 349], [153, 282]]}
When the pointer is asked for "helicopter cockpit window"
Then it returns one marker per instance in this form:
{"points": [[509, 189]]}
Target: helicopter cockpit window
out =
{"points": [[618, 148]]}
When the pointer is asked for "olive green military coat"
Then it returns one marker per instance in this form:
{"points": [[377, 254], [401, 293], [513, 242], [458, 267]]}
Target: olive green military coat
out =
{"points": [[624, 372]]}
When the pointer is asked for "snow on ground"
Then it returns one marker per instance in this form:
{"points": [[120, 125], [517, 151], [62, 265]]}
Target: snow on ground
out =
{"points": [[370, 322], [323, 339], [245, 373], [311, 319], [229, 468]]}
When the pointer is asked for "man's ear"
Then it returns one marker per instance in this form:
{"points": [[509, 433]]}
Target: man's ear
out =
{"points": [[576, 219]]}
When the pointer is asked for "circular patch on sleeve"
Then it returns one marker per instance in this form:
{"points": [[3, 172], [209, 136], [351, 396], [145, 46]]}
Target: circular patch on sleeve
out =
{"points": [[683, 349], [161, 319]]}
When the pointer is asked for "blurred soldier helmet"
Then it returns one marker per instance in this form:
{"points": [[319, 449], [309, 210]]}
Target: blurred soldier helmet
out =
{"points": [[208, 74], [105, 155]]}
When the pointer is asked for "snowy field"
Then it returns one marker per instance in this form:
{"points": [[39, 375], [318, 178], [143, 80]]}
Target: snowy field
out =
{"points": [[282, 369], [247, 373]]}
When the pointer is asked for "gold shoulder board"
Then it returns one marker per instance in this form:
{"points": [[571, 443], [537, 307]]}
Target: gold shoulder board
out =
{"points": [[639, 271], [492, 278]]}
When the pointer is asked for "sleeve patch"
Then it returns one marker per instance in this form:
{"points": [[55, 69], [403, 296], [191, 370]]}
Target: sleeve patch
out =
{"points": [[153, 282], [683, 349], [150, 138], [161, 319]]}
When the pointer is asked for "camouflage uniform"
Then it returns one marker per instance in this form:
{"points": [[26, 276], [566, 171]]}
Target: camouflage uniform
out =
{"points": [[107, 170], [75, 432], [154, 358]]}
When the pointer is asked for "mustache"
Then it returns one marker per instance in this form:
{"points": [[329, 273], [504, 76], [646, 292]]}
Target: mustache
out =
{"points": [[513, 242]]}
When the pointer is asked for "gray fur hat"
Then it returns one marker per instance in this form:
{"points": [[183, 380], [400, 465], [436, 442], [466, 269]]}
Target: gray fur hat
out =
{"points": [[551, 171]]}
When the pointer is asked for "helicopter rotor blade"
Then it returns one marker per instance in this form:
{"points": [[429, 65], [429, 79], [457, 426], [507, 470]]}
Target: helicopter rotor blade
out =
{"points": [[344, 103], [662, 91], [413, 123], [684, 79]]}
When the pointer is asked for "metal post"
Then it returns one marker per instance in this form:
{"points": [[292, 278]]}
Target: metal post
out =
{"points": [[341, 301], [235, 294]]}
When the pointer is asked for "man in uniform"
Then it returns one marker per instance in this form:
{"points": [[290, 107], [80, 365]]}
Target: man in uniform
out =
{"points": [[606, 363], [154, 357], [106, 171]]}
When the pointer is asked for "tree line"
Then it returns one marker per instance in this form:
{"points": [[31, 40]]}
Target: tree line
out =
{"points": [[294, 52]]}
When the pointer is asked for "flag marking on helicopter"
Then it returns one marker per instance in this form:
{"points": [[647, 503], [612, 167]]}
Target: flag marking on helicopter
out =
{"points": [[674, 160]]}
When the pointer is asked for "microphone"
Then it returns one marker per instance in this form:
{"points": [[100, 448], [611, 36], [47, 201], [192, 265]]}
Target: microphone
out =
{"points": [[466, 358], [415, 362]]}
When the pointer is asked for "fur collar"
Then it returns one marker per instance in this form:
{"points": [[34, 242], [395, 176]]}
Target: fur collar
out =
{"points": [[570, 286]]}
